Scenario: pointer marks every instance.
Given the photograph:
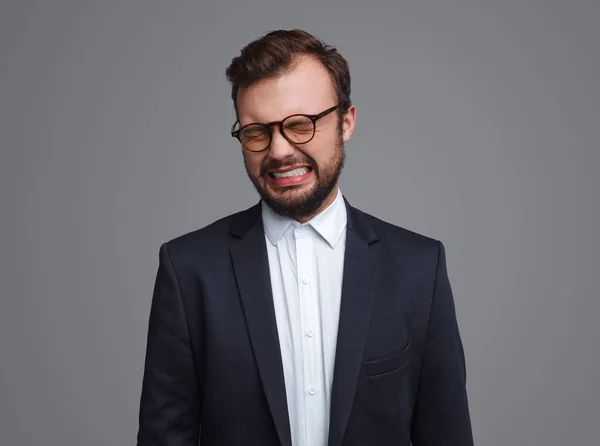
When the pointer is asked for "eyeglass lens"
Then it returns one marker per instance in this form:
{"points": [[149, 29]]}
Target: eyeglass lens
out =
{"points": [[297, 129]]}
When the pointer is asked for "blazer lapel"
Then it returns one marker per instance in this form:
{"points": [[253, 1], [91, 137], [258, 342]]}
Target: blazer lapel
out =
{"points": [[358, 289], [251, 265]]}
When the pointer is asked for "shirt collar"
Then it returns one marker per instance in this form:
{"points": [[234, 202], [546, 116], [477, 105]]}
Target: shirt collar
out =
{"points": [[330, 223]]}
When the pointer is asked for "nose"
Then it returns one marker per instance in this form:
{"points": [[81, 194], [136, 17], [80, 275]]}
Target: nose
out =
{"points": [[280, 147]]}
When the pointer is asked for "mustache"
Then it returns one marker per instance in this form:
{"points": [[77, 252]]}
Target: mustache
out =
{"points": [[272, 164]]}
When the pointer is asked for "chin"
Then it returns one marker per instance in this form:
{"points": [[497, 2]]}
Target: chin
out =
{"points": [[295, 191], [289, 200]]}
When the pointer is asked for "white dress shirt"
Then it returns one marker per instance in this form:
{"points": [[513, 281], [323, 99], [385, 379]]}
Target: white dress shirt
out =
{"points": [[306, 263]]}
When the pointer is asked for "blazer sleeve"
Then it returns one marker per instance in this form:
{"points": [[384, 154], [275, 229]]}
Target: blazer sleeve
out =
{"points": [[169, 412], [441, 416]]}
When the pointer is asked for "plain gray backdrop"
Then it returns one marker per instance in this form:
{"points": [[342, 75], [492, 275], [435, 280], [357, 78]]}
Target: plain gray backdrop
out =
{"points": [[477, 124]]}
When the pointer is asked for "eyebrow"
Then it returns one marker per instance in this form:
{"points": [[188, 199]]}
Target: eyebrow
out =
{"points": [[287, 116], [276, 120]]}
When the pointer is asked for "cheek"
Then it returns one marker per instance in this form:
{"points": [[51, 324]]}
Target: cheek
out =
{"points": [[253, 162], [321, 151]]}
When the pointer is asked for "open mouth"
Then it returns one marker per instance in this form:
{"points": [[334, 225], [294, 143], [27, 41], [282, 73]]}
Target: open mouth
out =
{"points": [[291, 173]]}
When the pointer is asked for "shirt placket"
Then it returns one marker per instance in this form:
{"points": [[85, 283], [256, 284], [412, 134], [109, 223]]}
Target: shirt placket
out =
{"points": [[306, 293]]}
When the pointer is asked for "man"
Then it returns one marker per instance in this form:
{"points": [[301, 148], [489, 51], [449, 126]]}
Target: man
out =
{"points": [[301, 321]]}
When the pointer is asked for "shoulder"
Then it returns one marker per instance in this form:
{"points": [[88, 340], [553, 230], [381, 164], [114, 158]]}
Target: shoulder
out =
{"points": [[213, 237], [393, 237], [415, 254]]}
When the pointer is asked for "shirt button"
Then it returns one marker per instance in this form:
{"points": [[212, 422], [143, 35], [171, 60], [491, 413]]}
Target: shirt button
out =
{"points": [[298, 230], [304, 280], [309, 333], [312, 390]]}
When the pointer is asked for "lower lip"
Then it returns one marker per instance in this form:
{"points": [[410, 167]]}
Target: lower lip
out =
{"points": [[289, 181]]}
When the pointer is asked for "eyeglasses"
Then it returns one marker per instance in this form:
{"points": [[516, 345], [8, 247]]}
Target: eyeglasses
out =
{"points": [[297, 129]]}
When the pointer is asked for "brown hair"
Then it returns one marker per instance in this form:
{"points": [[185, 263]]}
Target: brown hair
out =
{"points": [[277, 51]]}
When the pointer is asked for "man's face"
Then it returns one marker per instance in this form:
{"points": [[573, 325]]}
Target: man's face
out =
{"points": [[296, 180]]}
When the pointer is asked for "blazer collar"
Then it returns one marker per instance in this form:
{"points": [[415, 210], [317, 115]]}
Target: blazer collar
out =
{"points": [[251, 268]]}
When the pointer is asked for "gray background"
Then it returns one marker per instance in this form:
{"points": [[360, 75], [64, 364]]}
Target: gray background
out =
{"points": [[478, 124]]}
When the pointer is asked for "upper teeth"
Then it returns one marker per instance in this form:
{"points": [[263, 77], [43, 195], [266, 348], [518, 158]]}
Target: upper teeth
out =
{"points": [[291, 173]]}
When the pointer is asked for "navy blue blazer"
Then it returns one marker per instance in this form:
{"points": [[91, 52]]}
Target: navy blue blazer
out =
{"points": [[213, 372]]}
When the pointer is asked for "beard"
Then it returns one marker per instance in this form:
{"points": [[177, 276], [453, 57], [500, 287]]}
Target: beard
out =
{"points": [[287, 201]]}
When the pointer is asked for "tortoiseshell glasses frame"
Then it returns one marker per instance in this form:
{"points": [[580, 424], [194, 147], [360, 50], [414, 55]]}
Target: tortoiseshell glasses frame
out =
{"points": [[298, 128]]}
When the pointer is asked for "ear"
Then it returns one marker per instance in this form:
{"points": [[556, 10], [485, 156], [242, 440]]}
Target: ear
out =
{"points": [[348, 123]]}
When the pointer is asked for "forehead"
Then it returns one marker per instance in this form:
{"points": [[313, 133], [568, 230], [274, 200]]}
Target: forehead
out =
{"points": [[306, 88]]}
